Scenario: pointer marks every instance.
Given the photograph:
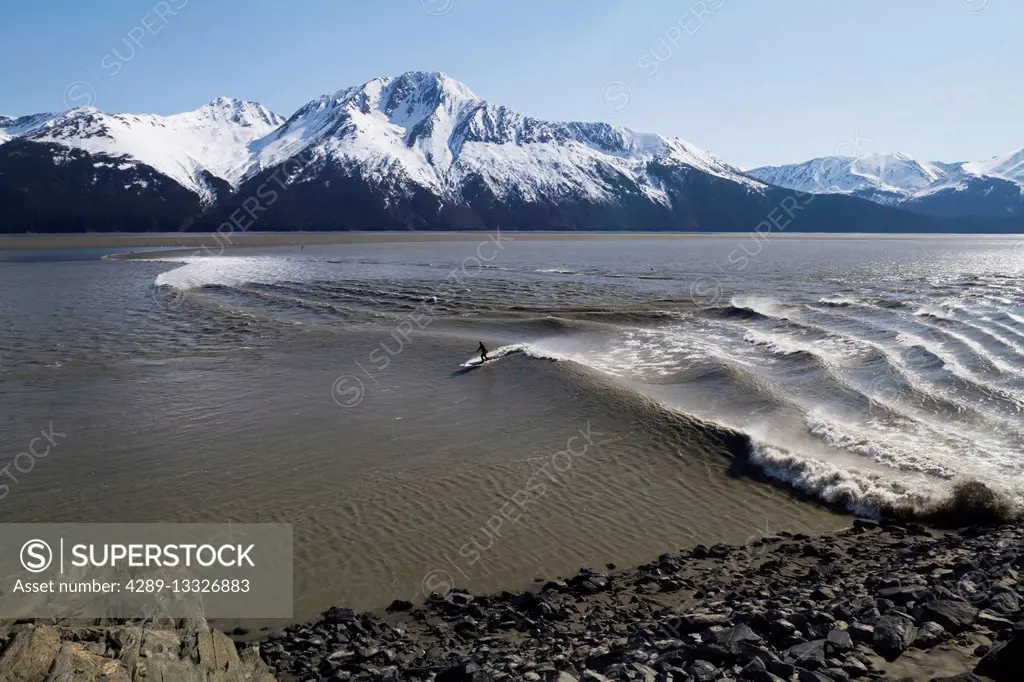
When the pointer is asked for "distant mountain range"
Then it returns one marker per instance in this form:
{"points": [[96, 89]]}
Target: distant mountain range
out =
{"points": [[992, 189], [420, 151]]}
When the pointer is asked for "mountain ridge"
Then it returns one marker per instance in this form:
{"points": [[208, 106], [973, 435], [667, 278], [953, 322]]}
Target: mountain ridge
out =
{"points": [[415, 151], [989, 189]]}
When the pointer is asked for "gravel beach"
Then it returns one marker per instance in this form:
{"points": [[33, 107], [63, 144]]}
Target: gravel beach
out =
{"points": [[875, 601]]}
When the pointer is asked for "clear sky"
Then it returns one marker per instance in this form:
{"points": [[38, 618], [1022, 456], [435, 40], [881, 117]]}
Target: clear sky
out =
{"points": [[754, 81]]}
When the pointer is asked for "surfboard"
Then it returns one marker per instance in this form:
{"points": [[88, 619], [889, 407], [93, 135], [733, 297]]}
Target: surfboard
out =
{"points": [[475, 363]]}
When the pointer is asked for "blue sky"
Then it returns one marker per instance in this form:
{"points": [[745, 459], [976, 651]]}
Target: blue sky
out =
{"points": [[755, 82]]}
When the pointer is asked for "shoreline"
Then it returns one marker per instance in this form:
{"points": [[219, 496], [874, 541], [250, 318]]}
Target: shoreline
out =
{"points": [[872, 601], [21, 242], [875, 600]]}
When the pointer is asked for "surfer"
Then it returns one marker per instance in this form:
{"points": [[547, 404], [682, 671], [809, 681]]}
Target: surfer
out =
{"points": [[483, 352]]}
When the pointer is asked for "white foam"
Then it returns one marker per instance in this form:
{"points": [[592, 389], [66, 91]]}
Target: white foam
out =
{"points": [[860, 492], [766, 305], [839, 300]]}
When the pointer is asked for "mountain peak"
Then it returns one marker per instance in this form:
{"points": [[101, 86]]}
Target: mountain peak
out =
{"points": [[1009, 166], [238, 112], [436, 79], [83, 111]]}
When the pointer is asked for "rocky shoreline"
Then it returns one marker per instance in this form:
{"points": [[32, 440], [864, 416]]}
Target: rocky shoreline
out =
{"points": [[876, 601]]}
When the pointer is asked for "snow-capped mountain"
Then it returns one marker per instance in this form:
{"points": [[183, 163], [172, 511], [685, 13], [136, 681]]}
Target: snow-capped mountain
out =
{"points": [[1008, 167], [416, 151], [890, 176], [990, 189], [422, 151], [213, 140], [23, 125], [428, 131]]}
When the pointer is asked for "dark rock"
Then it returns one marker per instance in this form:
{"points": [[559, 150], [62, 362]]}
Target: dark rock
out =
{"points": [[955, 616], [399, 605], [1004, 603], [703, 671], [590, 583], [677, 656], [465, 672], [884, 605], [838, 642], [694, 622], [603, 658], [992, 621], [819, 630], [810, 655], [929, 634], [732, 637], [754, 671], [892, 636], [720, 550], [854, 668], [716, 654], [746, 652], [669, 585], [336, 614], [823, 593], [782, 669], [902, 595], [781, 628], [1005, 660]]}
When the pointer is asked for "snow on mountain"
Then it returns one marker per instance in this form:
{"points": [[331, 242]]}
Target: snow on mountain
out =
{"points": [[422, 151], [213, 139], [888, 177], [23, 125], [428, 131], [1008, 167], [990, 189]]}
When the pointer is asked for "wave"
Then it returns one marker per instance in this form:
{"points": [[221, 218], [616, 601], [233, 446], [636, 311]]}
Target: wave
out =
{"points": [[910, 401], [983, 358], [766, 306], [733, 312], [963, 502], [898, 478], [839, 301]]}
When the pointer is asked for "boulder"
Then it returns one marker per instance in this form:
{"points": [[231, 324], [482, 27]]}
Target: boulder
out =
{"points": [[189, 653], [929, 634], [1004, 603], [838, 642], [732, 637], [31, 652], [955, 616], [893, 634], [902, 595], [702, 671], [807, 655]]}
